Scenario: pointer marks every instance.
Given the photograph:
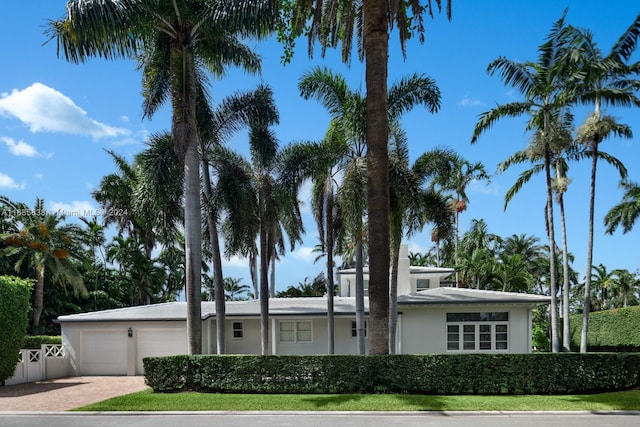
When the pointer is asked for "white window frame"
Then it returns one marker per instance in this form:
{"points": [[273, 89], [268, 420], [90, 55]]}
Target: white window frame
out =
{"points": [[234, 330], [472, 334], [296, 331], [354, 329], [419, 288]]}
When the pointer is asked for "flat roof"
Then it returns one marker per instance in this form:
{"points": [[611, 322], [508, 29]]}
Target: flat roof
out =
{"points": [[312, 306]]}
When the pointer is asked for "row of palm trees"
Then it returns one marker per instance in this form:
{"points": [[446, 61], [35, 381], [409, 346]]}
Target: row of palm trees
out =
{"points": [[571, 70], [176, 40]]}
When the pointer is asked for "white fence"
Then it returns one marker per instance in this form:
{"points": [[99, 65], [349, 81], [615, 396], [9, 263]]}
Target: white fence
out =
{"points": [[35, 365]]}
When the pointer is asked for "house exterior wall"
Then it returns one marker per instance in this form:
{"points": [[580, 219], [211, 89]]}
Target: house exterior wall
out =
{"points": [[104, 348], [250, 342], [424, 330]]}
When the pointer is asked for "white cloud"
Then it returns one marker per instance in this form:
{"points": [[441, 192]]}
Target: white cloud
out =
{"points": [[470, 102], [20, 148], [483, 187], [235, 261], [7, 182], [76, 208], [44, 109], [305, 254]]}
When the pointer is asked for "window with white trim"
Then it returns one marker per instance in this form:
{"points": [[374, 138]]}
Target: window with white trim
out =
{"points": [[238, 330], [479, 331], [422, 284], [295, 331], [354, 329]]}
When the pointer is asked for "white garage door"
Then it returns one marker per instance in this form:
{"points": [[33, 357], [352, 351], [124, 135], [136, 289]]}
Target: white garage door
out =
{"points": [[159, 342], [104, 352]]}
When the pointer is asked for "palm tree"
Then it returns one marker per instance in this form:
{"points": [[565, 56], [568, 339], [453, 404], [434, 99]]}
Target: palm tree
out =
{"points": [[234, 290], [269, 197], [345, 149], [462, 174], [336, 21], [626, 212], [604, 80], [562, 148], [216, 128], [414, 202], [176, 39], [544, 86], [46, 246], [625, 288]]}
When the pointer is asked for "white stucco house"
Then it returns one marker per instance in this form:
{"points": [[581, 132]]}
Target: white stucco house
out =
{"points": [[433, 317]]}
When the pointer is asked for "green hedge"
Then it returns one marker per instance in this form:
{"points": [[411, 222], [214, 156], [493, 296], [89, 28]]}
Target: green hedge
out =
{"points": [[36, 341], [540, 373], [610, 330], [14, 320]]}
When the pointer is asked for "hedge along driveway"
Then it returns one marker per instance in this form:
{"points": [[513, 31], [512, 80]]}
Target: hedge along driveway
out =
{"points": [[14, 319]]}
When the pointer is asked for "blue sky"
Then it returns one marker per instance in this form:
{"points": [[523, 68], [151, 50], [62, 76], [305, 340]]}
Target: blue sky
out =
{"points": [[57, 119]]}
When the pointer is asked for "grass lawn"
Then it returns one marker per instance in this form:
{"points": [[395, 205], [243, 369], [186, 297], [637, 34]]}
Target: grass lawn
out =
{"points": [[149, 401]]}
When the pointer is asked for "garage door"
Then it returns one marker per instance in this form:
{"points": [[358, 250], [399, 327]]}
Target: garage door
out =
{"points": [[159, 342], [104, 352]]}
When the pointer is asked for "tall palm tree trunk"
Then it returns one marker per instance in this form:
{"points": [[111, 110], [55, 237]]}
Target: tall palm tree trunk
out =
{"points": [[393, 297], [586, 305], [38, 294], [218, 280], [555, 343], [360, 328], [376, 47], [330, 282], [566, 286], [264, 292], [184, 132]]}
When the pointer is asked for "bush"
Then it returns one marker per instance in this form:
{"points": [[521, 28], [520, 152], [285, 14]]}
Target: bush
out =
{"points": [[35, 342], [540, 373], [610, 330], [14, 320]]}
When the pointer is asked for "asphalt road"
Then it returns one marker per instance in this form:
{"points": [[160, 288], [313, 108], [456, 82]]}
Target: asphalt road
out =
{"points": [[450, 419]]}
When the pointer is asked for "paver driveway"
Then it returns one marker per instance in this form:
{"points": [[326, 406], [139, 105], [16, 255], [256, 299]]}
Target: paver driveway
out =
{"points": [[66, 393]]}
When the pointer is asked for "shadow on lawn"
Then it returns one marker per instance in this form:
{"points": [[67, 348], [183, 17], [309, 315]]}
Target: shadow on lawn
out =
{"points": [[617, 401], [417, 402]]}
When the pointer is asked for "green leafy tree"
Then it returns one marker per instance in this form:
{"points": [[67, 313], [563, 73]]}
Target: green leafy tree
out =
{"points": [[48, 248], [315, 288], [175, 38]]}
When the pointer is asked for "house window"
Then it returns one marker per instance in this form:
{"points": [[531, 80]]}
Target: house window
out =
{"points": [[422, 284], [238, 330], [480, 331], [295, 331], [354, 329]]}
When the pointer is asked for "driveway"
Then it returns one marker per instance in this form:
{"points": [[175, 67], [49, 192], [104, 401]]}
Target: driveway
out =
{"points": [[66, 393]]}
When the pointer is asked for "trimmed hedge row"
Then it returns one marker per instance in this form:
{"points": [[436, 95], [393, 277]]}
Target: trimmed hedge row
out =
{"points": [[34, 342], [14, 319], [610, 330], [539, 373]]}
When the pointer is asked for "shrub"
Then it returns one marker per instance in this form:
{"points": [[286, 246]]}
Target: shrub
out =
{"points": [[539, 373], [35, 342], [610, 330], [14, 320]]}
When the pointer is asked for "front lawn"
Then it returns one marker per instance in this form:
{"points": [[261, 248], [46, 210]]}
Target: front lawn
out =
{"points": [[149, 401]]}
